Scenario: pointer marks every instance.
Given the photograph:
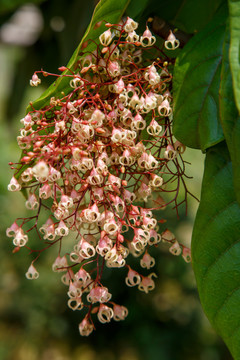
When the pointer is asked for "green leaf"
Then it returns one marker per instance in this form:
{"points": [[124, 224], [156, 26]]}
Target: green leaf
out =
{"points": [[229, 116], [234, 15], [196, 84], [216, 248], [187, 15], [136, 8], [105, 11]]}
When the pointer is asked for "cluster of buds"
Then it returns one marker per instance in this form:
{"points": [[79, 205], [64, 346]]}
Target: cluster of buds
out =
{"points": [[92, 159]]}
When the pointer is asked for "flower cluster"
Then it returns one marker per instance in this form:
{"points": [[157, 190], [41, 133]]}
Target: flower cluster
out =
{"points": [[92, 159]]}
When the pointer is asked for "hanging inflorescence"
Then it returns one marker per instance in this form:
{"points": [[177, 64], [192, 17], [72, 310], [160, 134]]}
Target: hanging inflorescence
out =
{"points": [[92, 159]]}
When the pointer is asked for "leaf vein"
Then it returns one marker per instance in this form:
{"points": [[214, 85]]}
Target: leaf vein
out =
{"points": [[219, 257], [207, 85], [227, 299], [228, 248]]}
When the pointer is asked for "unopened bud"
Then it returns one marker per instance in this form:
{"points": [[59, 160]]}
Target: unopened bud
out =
{"points": [[100, 130], [120, 238], [16, 249], [62, 68], [103, 233], [104, 50], [25, 159], [98, 24]]}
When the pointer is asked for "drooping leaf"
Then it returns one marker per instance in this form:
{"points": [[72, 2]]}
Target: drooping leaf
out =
{"points": [[216, 248], [196, 84], [234, 15], [229, 116], [105, 11]]}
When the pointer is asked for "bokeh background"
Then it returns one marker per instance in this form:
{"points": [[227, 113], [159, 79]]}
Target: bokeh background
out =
{"points": [[35, 323]]}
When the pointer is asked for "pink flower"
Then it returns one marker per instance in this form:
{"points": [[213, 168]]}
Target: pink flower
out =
{"points": [[35, 81], [99, 294], [147, 39], [14, 185], [147, 283], [147, 261], [85, 327], [92, 158], [133, 278], [119, 312], [32, 273], [105, 313], [171, 43]]}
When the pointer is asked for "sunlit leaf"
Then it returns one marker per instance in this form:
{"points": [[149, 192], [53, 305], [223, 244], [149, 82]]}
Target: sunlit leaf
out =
{"points": [[105, 11]]}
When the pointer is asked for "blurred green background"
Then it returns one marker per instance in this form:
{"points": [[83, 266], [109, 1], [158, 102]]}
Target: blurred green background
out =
{"points": [[35, 323]]}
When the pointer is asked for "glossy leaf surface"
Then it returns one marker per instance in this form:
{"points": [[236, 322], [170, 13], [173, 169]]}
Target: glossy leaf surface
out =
{"points": [[196, 84], [107, 10]]}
